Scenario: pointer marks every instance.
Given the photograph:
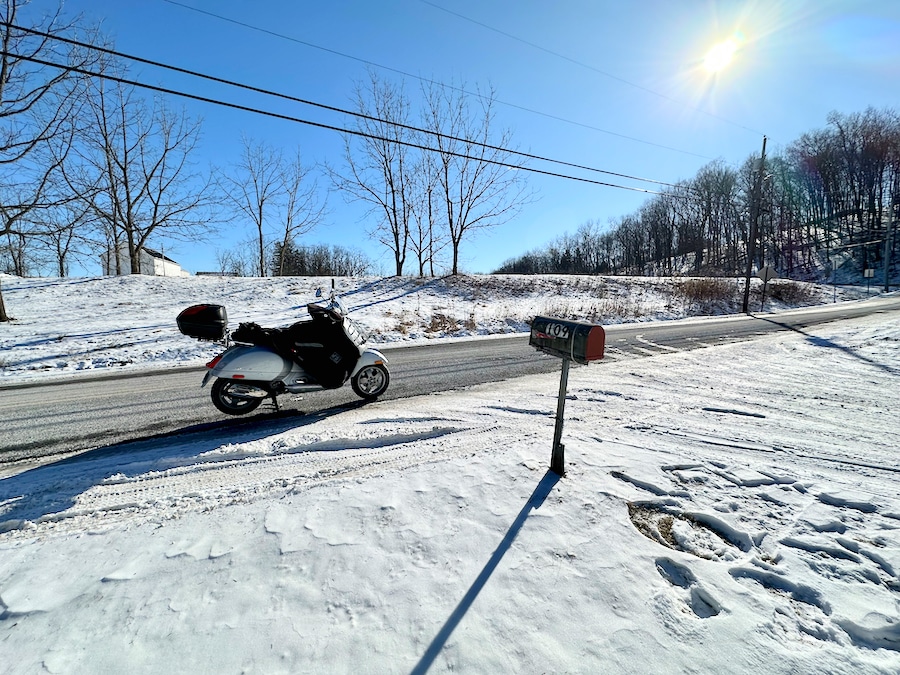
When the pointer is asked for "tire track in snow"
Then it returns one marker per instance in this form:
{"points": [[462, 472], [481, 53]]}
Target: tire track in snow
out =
{"points": [[222, 477]]}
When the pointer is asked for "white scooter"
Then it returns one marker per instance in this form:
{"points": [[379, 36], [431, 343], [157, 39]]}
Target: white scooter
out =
{"points": [[259, 363]]}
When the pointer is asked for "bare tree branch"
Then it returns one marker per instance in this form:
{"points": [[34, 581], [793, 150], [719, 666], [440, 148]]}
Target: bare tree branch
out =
{"points": [[39, 112], [379, 169], [255, 187], [476, 192]]}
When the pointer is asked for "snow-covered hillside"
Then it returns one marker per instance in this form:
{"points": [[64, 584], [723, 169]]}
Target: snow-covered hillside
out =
{"points": [[108, 324]]}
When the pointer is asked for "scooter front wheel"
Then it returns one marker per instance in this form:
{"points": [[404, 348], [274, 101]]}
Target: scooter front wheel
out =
{"points": [[236, 398], [371, 382]]}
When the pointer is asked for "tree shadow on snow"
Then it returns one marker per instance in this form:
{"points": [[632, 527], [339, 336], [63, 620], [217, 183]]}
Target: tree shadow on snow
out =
{"points": [[831, 344], [53, 488], [543, 489], [396, 291]]}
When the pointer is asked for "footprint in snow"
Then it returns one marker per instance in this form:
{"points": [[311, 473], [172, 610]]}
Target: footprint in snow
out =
{"points": [[675, 573], [699, 600]]}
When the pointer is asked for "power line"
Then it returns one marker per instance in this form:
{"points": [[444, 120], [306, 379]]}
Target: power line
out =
{"points": [[320, 125], [331, 108], [583, 65], [426, 80]]}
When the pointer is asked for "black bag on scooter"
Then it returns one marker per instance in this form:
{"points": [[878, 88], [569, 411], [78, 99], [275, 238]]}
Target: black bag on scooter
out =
{"points": [[253, 334]]}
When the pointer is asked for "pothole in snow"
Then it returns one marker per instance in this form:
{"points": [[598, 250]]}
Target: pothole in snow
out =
{"points": [[682, 532]]}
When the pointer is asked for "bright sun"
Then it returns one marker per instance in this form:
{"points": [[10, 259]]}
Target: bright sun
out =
{"points": [[720, 55]]}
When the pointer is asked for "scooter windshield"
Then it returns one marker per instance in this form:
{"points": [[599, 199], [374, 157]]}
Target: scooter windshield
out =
{"points": [[338, 305]]}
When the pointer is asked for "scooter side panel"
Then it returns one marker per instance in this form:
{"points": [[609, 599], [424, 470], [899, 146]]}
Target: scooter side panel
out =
{"points": [[242, 362]]}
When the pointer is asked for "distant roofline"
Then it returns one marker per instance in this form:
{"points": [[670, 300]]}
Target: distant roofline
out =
{"points": [[156, 254]]}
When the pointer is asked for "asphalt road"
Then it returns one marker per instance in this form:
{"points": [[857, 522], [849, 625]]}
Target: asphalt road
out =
{"points": [[49, 420]]}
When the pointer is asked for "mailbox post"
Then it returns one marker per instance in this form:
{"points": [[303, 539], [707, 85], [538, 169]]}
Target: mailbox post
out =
{"points": [[577, 341]]}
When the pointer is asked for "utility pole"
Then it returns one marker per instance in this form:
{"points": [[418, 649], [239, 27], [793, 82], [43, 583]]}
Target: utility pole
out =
{"points": [[754, 225], [887, 246]]}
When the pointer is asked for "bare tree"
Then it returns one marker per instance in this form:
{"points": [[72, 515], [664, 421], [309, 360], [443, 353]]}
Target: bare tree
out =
{"points": [[38, 109], [238, 261], [380, 164], [255, 188], [65, 233], [136, 173], [302, 208], [15, 251], [425, 235], [479, 184]]}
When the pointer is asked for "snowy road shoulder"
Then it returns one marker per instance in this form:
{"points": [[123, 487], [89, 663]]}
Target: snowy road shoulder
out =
{"points": [[732, 509]]}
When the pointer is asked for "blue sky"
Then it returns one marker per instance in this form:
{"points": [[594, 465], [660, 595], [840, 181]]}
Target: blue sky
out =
{"points": [[628, 69]]}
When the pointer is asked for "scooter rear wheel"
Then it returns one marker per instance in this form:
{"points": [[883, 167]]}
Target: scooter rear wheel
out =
{"points": [[371, 382], [225, 397]]}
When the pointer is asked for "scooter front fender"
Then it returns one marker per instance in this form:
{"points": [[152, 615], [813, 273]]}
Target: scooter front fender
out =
{"points": [[245, 362], [369, 357]]}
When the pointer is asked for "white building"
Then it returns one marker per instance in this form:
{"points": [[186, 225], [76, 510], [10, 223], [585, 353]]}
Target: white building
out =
{"points": [[153, 263]]}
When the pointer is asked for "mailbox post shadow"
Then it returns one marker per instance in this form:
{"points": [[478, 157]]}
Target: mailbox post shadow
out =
{"points": [[534, 502], [825, 342]]}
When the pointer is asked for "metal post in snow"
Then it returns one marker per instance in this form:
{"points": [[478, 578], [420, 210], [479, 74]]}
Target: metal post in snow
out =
{"points": [[754, 226], [886, 258], [834, 260], [766, 274], [558, 457]]}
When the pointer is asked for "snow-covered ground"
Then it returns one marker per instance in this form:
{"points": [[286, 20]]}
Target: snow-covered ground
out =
{"points": [[731, 509]]}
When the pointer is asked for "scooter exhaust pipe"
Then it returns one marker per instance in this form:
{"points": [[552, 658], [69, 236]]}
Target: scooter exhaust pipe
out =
{"points": [[247, 391]]}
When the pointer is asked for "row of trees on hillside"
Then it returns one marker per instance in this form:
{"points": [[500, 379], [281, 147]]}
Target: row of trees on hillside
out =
{"points": [[828, 196], [318, 260]]}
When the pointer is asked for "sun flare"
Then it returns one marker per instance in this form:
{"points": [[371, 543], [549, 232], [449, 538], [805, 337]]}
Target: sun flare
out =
{"points": [[720, 55]]}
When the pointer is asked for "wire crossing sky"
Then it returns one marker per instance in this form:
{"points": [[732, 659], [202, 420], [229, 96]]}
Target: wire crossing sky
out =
{"points": [[576, 62], [342, 111], [426, 80]]}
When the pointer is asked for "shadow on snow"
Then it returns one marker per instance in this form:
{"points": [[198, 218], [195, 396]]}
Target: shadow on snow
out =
{"points": [[534, 502], [53, 488]]}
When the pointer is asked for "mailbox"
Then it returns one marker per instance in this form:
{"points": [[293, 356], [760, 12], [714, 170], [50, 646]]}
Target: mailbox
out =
{"points": [[578, 341]]}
